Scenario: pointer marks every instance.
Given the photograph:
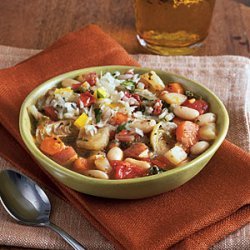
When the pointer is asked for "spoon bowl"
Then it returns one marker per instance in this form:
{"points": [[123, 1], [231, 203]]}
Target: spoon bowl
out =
{"points": [[24, 200], [27, 203]]}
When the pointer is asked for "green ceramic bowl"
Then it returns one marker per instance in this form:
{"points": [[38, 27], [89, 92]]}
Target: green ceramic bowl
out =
{"points": [[130, 188]]}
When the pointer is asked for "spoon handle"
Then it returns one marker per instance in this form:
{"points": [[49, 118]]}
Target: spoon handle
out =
{"points": [[74, 243]]}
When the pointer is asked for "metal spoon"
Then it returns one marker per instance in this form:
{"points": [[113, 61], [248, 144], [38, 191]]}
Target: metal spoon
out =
{"points": [[27, 203]]}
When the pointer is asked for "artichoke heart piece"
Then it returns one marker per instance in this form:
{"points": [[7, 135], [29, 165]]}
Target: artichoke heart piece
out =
{"points": [[158, 140], [97, 141], [153, 80], [61, 128]]}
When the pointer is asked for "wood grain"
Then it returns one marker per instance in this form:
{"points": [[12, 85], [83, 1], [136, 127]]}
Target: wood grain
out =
{"points": [[37, 23]]}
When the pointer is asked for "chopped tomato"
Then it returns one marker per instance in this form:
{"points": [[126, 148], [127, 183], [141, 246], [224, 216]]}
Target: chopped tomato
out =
{"points": [[111, 135], [138, 138], [51, 145], [65, 157], [127, 94], [187, 133], [51, 113], [126, 170], [157, 107], [177, 120], [135, 96], [200, 105], [80, 165], [113, 144], [137, 151], [76, 86], [91, 78], [161, 162], [174, 87], [87, 99], [125, 136], [119, 118]]}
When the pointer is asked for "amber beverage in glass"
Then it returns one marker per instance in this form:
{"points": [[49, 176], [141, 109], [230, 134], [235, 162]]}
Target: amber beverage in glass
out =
{"points": [[172, 27]]}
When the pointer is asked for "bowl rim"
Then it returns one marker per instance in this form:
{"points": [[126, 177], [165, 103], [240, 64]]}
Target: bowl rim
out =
{"points": [[34, 150]]}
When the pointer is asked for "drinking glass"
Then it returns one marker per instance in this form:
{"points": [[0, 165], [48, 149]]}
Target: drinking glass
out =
{"points": [[172, 27]]}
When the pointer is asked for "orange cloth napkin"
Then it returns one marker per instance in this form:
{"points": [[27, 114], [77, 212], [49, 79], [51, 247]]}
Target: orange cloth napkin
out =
{"points": [[194, 216]]}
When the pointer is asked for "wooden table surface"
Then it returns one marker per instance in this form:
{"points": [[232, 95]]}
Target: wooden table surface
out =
{"points": [[38, 23]]}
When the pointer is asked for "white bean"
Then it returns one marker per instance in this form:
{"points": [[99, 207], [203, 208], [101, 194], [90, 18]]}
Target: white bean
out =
{"points": [[96, 174], [145, 125], [186, 113], [176, 155], [69, 82], [173, 98], [115, 154], [102, 164], [199, 147], [142, 164], [205, 119], [208, 132]]}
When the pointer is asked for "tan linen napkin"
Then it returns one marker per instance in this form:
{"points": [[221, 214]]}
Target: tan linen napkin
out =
{"points": [[225, 146]]}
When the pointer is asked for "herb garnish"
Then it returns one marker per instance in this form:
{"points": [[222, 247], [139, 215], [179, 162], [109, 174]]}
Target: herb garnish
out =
{"points": [[98, 114], [165, 105], [156, 170], [121, 127], [129, 85], [191, 95]]}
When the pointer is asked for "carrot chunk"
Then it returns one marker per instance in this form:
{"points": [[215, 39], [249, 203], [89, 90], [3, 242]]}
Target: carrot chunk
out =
{"points": [[80, 165], [51, 145], [119, 118], [174, 87], [65, 157], [187, 133]]}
